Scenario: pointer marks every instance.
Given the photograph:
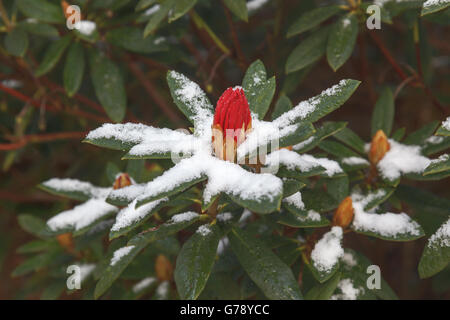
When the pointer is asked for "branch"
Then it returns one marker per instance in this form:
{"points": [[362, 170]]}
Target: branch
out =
{"points": [[39, 138], [240, 55]]}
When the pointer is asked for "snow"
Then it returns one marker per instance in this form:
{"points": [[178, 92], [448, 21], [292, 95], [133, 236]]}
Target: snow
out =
{"points": [[85, 27], [430, 3], [163, 290], [183, 217], [386, 224], [82, 215], [328, 250], [346, 22], [152, 10], [442, 158], [12, 83], [120, 253], [303, 144], [128, 193], [446, 124], [85, 270], [434, 139], [441, 237], [224, 216], [131, 214], [143, 284], [223, 244], [295, 200], [364, 200], [255, 4], [311, 216], [353, 161], [349, 260], [74, 185], [348, 291], [401, 159], [204, 230], [305, 162]]}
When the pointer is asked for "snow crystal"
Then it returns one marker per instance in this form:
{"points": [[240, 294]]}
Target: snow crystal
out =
{"points": [[349, 259], [82, 215], [295, 200], [328, 250], [441, 237], [303, 144], [120, 253], [446, 124], [349, 292], [204, 230], [143, 284], [402, 159], [224, 216], [387, 224], [430, 3], [255, 4], [85, 27], [183, 217], [131, 214], [73, 185], [353, 161]]}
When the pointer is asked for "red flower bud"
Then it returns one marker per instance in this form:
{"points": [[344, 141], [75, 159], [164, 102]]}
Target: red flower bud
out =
{"points": [[122, 181], [231, 122]]}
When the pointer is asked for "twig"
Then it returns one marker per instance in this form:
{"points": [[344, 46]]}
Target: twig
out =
{"points": [[240, 55], [39, 138]]}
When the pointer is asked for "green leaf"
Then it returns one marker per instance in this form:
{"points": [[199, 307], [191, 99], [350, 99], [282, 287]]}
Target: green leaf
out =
{"points": [[419, 136], [442, 164], [291, 186], [308, 51], [312, 19], [435, 6], [158, 17], [142, 4], [109, 86], [238, 7], [80, 195], [337, 149], [399, 134], [296, 218], [270, 274], [193, 105], [74, 69], [436, 255], [351, 139], [263, 205], [324, 290], [36, 263], [34, 225], [327, 129], [341, 40], [432, 147], [258, 90], [130, 38], [39, 29], [16, 42], [442, 131], [53, 55], [181, 8], [383, 113], [377, 197], [399, 237], [54, 290], [283, 105], [195, 261], [41, 10]]}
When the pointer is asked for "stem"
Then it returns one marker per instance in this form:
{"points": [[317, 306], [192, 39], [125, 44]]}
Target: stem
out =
{"points": [[39, 138], [240, 55], [4, 16]]}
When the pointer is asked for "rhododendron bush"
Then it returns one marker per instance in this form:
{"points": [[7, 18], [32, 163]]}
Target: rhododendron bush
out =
{"points": [[226, 149]]}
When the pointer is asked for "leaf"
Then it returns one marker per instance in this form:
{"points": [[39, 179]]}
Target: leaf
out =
{"points": [[39, 29], [74, 69], [337, 149], [308, 51], [238, 7], [291, 186], [262, 205], [432, 147], [34, 225], [36, 263], [283, 105], [37, 246], [311, 19], [377, 197], [41, 10], [351, 139], [53, 55], [82, 194], [419, 136], [442, 164], [341, 40], [16, 42], [398, 237], [158, 17], [442, 131], [299, 219], [258, 90], [181, 8], [327, 129], [434, 6], [383, 113], [323, 291], [188, 97], [130, 38], [270, 274], [109, 86], [195, 262]]}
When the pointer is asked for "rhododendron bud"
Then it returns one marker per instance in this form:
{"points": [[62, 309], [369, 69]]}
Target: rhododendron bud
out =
{"points": [[232, 120], [122, 181], [344, 213], [379, 147], [163, 268], [65, 241]]}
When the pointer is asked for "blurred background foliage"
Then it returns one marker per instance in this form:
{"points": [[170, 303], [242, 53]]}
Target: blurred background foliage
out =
{"points": [[57, 84]]}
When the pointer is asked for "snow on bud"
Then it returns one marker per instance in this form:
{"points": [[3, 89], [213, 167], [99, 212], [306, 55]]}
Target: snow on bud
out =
{"points": [[379, 147], [123, 180], [163, 268], [344, 213], [232, 121]]}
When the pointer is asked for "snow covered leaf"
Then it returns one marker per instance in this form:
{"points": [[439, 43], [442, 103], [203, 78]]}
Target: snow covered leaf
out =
{"points": [[436, 255], [444, 129], [238, 7], [439, 165], [308, 51], [432, 6], [341, 40], [157, 14], [117, 136], [190, 99], [311, 19], [271, 275], [302, 219], [73, 189], [258, 89], [130, 38], [327, 129], [195, 261], [323, 291], [131, 217], [436, 144], [373, 198], [326, 254], [353, 163], [383, 113], [143, 287], [124, 196], [180, 8], [387, 226]]}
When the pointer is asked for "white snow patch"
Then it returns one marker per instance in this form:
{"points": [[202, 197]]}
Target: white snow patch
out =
{"points": [[204, 230], [255, 4], [120, 253], [85, 27], [224, 216], [353, 161], [441, 237], [85, 270], [430, 3], [183, 217], [349, 292], [349, 259], [328, 250], [152, 10], [74, 185], [303, 144], [446, 124], [295, 200], [143, 284]]}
